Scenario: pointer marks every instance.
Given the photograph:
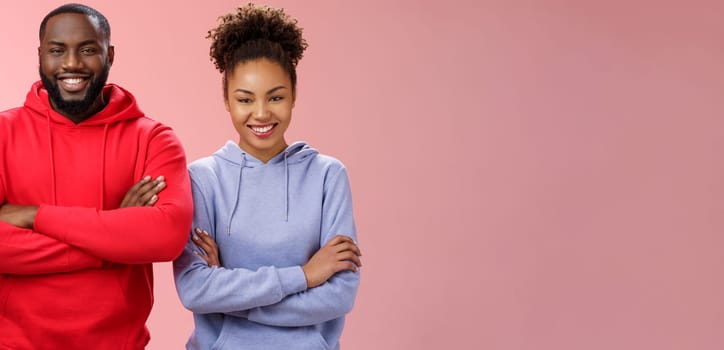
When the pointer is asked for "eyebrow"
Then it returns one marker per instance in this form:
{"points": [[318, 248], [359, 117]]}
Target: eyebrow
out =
{"points": [[82, 43], [271, 91]]}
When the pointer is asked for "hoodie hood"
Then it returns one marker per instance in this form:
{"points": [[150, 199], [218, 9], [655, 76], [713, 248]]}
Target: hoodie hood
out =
{"points": [[121, 105], [295, 153]]}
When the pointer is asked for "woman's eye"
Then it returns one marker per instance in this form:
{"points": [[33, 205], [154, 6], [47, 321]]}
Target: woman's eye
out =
{"points": [[276, 98]]}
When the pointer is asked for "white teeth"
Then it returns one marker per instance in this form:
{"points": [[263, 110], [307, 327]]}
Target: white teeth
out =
{"points": [[72, 81], [262, 129]]}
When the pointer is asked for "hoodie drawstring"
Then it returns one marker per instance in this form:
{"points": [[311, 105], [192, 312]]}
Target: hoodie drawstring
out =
{"points": [[52, 160], [286, 189], [236, 195], [103, 166], [53, 185]]}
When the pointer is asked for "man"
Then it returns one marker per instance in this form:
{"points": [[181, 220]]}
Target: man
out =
{"points": [[76, 245]]}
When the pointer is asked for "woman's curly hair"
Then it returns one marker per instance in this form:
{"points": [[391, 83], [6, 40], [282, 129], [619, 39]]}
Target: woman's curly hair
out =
{"points": [[253, 32]]}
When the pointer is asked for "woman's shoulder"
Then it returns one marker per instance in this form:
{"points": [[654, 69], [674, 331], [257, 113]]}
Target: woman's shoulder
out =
{"points": [[327, 161], [202, 165], [207, 169], [213, 163]]}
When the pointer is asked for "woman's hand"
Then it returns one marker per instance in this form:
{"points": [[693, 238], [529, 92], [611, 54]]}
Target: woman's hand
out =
{"points": [[339, 254], [144, 192], [211, 251]]}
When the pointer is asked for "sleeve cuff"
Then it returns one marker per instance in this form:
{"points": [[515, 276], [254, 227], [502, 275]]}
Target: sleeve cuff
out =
{"points": [[292, 280], [38, 223]]}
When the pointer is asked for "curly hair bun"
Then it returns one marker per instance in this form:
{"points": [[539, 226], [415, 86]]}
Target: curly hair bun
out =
{"points": [[251, 24]]}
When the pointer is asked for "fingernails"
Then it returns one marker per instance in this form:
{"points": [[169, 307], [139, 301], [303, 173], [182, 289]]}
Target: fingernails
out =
{"points": [[154, 198], [196, 238], [161, 178], [146, 178]]}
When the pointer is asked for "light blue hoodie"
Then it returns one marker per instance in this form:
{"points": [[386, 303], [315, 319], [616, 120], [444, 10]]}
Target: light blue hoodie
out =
{"points": [[268, 220]]}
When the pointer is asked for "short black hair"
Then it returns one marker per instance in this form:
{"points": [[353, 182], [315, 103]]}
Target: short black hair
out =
{"points": [[81, 9]]}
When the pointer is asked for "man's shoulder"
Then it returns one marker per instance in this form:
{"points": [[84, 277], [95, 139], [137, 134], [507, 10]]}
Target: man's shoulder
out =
{"points": [[148, 128], [14, 118], [11, 113], [146, 123]]}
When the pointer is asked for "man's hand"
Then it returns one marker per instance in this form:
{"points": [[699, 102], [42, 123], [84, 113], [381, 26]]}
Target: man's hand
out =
{"points": [[144, 192], [22, 216]]}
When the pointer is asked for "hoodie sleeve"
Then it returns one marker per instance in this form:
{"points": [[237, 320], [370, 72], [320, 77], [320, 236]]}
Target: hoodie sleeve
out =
{"points": [[335, 298], [203, 289], [24, 252], [134, 235]]}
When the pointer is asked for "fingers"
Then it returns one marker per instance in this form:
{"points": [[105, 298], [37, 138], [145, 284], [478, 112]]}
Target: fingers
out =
{"points": [[140, 183], [347, 246], [342, 243], [345, 266], [204, 241], [339, 254], [132, 194], [350, 256], [347, 250], [338, 239], [148, 192], [208, 260], [144, 192]]}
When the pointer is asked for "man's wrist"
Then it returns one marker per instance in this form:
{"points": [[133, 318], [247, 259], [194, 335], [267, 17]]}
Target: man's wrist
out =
{"points": [[32, 213]]}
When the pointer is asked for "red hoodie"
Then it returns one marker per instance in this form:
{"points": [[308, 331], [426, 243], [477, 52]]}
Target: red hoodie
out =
{"points": [[82, 279]]}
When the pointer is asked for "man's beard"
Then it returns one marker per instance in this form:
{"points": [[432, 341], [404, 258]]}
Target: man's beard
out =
{"points": [[76, 107]]}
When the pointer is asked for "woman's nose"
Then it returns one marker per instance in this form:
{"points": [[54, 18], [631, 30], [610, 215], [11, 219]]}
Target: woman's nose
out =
{"points": [[262, 111]]}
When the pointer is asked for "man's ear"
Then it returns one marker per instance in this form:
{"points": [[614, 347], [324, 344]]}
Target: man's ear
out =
{"points": [[111, 54]]}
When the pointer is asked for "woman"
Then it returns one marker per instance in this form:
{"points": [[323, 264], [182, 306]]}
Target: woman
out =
{"points": [[272, 262]]}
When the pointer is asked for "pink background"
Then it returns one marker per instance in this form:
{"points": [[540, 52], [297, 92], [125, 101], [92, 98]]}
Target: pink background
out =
{"points": [[527, 174]]}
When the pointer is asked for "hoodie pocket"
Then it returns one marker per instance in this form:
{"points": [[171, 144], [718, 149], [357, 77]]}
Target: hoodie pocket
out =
{"points": [[244, 334]]}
